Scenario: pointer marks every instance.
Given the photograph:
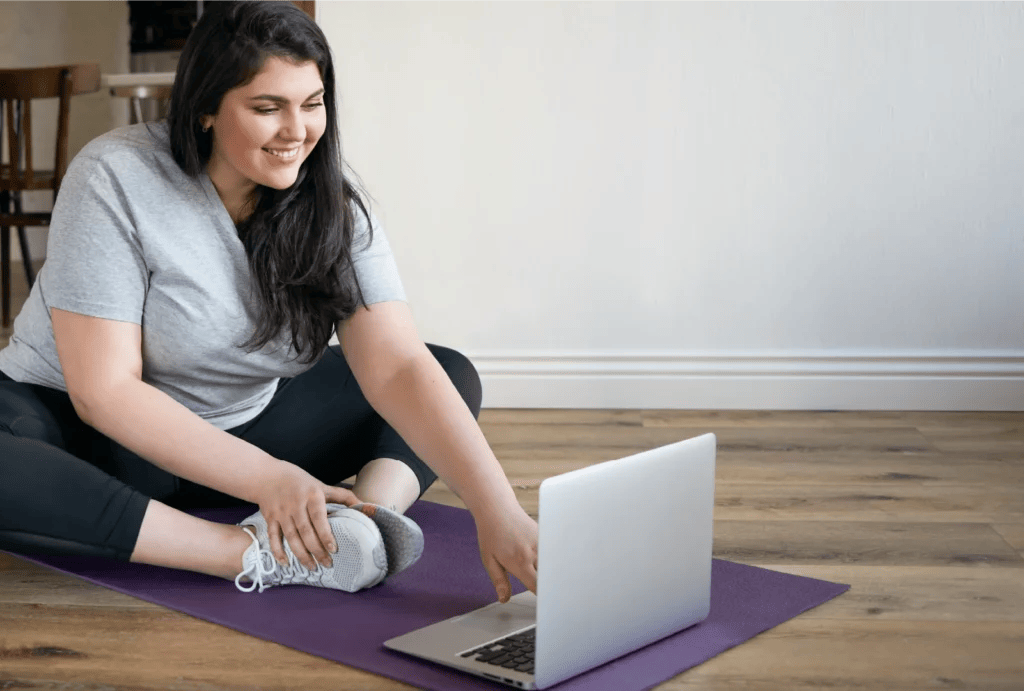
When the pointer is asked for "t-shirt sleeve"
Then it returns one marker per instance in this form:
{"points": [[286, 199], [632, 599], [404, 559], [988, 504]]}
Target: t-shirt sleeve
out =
{"points": [[375, 265], [94, 260]]}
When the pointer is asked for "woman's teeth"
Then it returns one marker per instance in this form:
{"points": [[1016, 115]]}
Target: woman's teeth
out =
{"points": [[284, 154]]}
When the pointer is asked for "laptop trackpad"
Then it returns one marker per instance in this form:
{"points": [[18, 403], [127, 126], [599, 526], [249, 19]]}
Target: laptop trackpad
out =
{"points": [[501, 619]]}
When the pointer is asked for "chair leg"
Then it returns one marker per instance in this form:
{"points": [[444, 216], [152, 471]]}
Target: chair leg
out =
{"points": [[26, 259], [5, 268]]}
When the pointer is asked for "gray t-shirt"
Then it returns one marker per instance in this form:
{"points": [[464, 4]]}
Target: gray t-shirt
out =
{"points": [[134, 239]]}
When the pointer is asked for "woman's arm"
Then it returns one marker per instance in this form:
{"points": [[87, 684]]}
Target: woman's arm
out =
{"points": [[424, 407], [406, 385], [102, 364]]}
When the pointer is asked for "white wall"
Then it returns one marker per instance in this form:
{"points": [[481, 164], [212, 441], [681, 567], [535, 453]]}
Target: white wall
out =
{"points": [[37, 34], [687, 205]]}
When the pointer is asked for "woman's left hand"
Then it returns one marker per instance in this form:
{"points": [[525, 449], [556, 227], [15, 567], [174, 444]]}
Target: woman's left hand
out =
{"points": [[508, 544]]}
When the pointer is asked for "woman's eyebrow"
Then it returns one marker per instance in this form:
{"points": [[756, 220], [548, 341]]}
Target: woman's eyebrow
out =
{"points": [[282, 99]]}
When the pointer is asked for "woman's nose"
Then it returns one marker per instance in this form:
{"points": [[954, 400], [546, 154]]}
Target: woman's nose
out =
{"points": [[293, 128]]}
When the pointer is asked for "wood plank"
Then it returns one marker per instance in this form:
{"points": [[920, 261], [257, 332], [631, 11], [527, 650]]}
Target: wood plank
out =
{"points": [[596, 443], [583, 442], [1009, 438], [864, 543], [883, 470], [969, 423], [11, 562], [22, 582], [560, 416], [873, 655], [157, 649], [917, 593], [829, 419], [868, 502], [1013, 533]]}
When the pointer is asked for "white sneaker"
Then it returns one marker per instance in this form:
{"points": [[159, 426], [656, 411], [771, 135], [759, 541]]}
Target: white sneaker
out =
{"points": [[360, 562]]}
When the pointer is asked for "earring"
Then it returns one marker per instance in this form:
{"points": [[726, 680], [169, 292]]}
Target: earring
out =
{"points": [[205, 129]]}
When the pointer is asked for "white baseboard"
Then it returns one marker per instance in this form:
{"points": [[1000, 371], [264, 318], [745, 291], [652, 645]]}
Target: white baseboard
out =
{"points": [[972, 380]]}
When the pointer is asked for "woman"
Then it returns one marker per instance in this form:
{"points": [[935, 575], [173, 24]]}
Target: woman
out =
{"points": [[174, 350]]}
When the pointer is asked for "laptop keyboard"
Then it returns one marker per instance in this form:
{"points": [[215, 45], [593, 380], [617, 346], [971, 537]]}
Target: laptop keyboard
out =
{"points": [[512, 652]]}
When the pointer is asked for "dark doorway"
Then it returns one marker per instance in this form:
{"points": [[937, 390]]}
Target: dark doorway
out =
{"points": [[163, 25], [309, 7]]}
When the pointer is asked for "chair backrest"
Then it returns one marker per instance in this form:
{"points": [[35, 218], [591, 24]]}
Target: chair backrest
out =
{"points": [[18, 87]]}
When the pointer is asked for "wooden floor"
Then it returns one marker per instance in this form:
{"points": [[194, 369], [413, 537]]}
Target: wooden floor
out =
{"points": [[923, 513]]}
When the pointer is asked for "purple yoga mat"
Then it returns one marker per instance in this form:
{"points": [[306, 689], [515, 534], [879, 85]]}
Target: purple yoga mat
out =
{"points": [[448, 580]]}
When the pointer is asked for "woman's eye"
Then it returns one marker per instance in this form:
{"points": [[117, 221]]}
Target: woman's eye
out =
{"points": [[268, 111]]}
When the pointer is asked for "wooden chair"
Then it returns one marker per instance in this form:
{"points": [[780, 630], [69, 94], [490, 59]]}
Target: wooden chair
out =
{"points": [[18, 88]]}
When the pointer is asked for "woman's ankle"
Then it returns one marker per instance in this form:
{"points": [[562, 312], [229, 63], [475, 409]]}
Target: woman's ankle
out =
{"points": [[172, 538], [237, 540]]}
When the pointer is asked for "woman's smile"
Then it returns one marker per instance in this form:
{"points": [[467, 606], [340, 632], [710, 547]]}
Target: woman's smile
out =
{"points": [[285, 155]]}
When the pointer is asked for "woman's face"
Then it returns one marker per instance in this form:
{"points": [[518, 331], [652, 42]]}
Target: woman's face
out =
{"points": [[264, 130]]}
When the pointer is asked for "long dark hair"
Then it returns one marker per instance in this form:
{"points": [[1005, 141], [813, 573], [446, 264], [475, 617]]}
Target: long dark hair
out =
{"points": [[298, 240]]}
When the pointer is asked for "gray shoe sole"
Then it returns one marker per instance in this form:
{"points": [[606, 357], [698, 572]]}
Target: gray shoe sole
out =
{"points": [[403, 539]]}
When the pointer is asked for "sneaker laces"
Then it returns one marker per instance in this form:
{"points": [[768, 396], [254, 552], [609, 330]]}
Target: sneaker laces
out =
{"points": [[263, 564]]}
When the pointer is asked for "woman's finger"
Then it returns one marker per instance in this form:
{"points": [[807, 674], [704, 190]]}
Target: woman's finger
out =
{"points": [[530, 573], [324, 536], [340, 495], [311, 550], [525, 570], [291, 534], [276, 547], [499, 578]]}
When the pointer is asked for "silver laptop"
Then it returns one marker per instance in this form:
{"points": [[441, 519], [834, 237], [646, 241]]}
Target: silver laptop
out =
{"points": [[624, 559]]}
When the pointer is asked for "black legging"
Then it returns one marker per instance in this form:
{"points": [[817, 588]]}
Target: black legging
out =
{"points": [[65, 488]]}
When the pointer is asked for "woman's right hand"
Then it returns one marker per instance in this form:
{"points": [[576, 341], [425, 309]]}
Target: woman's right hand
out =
{"points": [[294, 503]]}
